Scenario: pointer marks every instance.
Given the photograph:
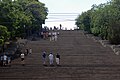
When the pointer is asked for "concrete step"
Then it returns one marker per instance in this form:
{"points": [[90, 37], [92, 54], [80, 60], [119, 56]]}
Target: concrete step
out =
{"points": [[81, 59]]}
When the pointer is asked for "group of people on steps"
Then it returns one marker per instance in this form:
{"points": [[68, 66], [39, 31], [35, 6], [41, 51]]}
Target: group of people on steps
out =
{"points": [[51, 58], [51, 35], [5, 60], [44, 58]]}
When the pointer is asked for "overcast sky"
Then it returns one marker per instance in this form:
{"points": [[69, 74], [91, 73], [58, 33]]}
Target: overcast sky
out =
{"points": [[75, 7]]}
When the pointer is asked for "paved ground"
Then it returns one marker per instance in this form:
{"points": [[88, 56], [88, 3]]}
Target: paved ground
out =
{"points": [[81, 59]]}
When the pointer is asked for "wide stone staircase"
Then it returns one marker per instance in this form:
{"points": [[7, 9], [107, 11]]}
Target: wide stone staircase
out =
{"points": [[81, 59]]}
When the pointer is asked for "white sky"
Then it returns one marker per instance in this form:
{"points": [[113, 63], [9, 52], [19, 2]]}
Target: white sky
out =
{"points": [[67, 6]]}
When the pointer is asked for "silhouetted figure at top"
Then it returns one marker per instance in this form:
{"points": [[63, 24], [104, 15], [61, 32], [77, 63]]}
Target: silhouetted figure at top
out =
{"points": [[60, 26], [55, 28]]}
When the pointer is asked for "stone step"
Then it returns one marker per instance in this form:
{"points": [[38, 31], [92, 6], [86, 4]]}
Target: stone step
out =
{"points": [[81, 59]]}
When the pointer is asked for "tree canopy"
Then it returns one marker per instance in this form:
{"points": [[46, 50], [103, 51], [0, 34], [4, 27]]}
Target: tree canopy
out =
{"points": [[4, 34], [102, 20], [20, 17]]}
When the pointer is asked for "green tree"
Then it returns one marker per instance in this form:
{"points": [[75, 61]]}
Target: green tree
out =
{"points": [[21, 16], [83, 21], [39, 13], [36, 11], [4, 34], [103, 20]]}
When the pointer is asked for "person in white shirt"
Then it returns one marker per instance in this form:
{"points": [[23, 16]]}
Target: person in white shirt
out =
{"points": [[22, 56], [58, 33], [50, 36], [22, 59], [4, 60], [55, 36], [51, 59]]}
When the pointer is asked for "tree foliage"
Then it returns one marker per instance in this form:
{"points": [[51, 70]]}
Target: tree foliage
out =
{"points": [[4, 34], [21, 16], [102, 20]]}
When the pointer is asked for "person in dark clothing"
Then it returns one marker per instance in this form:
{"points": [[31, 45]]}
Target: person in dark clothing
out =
{"points": [[9, 60], [1, 59], [57, 59], [26, 51], [44, 58]]}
